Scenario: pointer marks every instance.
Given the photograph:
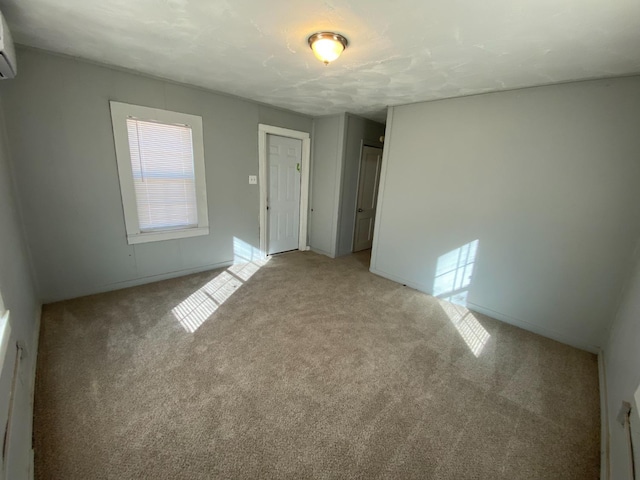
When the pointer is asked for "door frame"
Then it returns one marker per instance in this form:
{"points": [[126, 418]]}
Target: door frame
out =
{"points": [[263, 159], [365, 143]]}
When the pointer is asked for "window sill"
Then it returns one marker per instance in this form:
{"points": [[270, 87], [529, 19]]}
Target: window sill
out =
{"points": [[133, 239]]}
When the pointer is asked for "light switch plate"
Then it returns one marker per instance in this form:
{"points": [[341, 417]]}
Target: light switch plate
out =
{"points": [[253, 179]]}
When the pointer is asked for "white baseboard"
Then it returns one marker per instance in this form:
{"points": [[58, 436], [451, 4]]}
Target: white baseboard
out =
{"points": [[32, 467], [580, 343], [33, 353], [165, 276], [545, 332], [321, 252], [33, 349], [604, 418], [397, 279], [141, 281]]}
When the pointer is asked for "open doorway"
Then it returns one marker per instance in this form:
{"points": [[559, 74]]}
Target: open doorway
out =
{"points": [[283, 158], [367, 201]]}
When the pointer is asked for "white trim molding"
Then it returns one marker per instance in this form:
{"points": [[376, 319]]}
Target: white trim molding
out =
{"points": [[263, 131], [120, 112], [604, 417], [381, 187]]}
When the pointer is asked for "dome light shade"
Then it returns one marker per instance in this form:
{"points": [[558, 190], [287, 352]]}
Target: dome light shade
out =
{"points": [[327, 46]]}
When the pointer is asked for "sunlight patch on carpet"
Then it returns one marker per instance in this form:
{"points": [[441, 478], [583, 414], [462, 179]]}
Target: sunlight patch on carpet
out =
{"points": [[198, 307], [468, 326]]}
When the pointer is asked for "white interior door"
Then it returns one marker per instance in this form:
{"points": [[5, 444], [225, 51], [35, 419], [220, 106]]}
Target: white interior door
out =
{"points": [[367, 197], [283, 194]]}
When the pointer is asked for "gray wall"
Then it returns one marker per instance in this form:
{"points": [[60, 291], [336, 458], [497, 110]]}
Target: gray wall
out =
{"points": [[359, 131], [546, 179], [622, 361], [337, 142], [327, 146], [60, 133], [19, 297]]}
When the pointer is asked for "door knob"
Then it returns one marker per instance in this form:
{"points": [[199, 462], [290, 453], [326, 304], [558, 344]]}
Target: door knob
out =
{"points": [[360, 210]]}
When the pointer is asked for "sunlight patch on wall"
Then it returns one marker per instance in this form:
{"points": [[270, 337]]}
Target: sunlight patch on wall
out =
{"points": [[244, 252], [454, 272], [198, 307], [468, 326]]}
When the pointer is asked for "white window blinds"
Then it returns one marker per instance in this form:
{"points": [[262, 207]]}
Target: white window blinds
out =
{"points": [[162, 164]]}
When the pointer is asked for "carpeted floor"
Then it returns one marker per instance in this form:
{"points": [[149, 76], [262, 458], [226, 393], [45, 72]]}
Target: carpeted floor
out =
{"points": [[308, 367]]}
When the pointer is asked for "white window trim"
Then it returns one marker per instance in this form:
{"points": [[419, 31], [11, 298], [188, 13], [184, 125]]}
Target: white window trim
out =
{"points": [[119, 114]]}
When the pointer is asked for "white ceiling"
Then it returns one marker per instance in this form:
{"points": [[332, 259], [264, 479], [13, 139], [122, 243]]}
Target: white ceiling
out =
{"points": [[400, 51]]}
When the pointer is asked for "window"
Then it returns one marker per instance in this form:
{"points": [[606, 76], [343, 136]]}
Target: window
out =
{"points": [[160, 157]]}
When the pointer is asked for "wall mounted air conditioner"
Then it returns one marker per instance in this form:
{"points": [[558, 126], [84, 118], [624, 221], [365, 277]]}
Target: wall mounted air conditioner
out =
{"points": [[8, 65]]}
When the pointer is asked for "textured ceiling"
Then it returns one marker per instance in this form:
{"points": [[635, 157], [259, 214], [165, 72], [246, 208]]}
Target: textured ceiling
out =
{"points": [[400, 51]]}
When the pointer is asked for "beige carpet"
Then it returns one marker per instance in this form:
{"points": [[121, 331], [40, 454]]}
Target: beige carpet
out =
{"points": [[309, 368]]}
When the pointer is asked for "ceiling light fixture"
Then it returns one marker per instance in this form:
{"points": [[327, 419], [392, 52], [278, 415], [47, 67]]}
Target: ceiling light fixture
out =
{"points": [[327, 46]]}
